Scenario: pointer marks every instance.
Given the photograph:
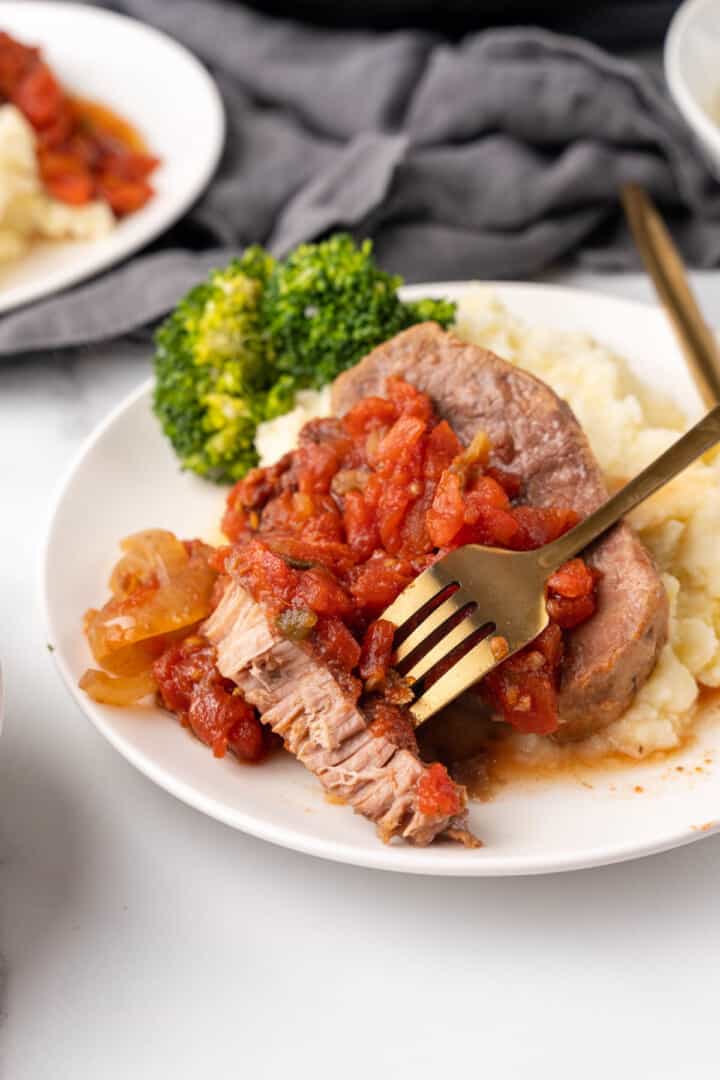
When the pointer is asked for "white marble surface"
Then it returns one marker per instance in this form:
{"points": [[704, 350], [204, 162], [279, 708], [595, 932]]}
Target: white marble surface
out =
{"points": [[142, 940]]}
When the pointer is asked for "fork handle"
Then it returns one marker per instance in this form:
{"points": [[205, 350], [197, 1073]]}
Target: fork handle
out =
{"points": [[694, 443]]}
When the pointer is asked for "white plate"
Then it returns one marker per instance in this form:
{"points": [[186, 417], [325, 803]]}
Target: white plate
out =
{"points": [[126, 478], [692, 69], [154, 83]]}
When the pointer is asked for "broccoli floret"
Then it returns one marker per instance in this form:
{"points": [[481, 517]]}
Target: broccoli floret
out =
{"points": [[328, 304], [211, 370], [238, 347]]}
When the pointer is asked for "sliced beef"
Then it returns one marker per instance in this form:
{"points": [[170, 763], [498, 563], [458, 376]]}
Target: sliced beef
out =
{"points": [[299, 698], [535, 434]]}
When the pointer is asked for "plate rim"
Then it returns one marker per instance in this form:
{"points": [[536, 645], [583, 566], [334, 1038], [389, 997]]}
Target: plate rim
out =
{"points": [[393, 858], [57, 281]]}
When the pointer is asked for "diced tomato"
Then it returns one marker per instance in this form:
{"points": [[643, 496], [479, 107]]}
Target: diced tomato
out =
{"points": [[218, 557], [542, 525], [395, 502], [488, 518], [485, 491], [57, 134], [415, 539], [301, 554], [214, 712], [370, 414], [123, 196], [83, 147], [16, 60], [568, 612], [441, 448], [378, 582], [248, 739], [333, 641], [395, 452], [318, 589], [524, 686], [317, 463], [376, 653], [360, 524], [446, 516], [126, 165], [57, 163], [573, 580], [408, 400], [490, 527], [268, 576], [236, 522], [259, 486], [38, 96], [525, 695], [73, 188], [571, 594], [250, 495], [437, 795], [313, 518], [191, 686]]}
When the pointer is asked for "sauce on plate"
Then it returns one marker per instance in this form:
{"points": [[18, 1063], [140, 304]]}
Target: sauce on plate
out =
{"points": [[485, 755]]}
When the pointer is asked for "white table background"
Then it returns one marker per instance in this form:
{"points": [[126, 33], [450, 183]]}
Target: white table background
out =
{"points": [[142, 940]]}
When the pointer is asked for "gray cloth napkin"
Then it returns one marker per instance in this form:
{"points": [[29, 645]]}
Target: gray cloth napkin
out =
{"points": [[490, 158]]}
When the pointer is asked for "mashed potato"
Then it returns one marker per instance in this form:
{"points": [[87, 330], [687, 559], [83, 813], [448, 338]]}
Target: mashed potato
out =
{"points": [[276, 437], [627, 426], [26, 212]]}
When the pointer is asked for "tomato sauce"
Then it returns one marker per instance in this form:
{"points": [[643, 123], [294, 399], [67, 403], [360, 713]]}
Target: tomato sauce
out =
{"points": [[329, 536], [85, 150], [191, 686]]}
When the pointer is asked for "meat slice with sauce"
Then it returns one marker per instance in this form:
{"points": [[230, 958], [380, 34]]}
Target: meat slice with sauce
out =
{"points": [[536, 435], [301, 701]]}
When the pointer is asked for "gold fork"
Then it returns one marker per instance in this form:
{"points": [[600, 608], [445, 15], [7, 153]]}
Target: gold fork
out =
{"points": [[478, 605]]}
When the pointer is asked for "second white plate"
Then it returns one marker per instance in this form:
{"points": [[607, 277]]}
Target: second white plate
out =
{"points": [[150, 80]]}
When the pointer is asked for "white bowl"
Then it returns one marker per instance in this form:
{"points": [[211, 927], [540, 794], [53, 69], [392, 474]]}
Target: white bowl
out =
{"points": [[692, 69]]}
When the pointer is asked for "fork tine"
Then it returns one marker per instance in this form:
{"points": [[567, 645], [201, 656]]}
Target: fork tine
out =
{"points": [[421, 591], [473, 666], [446, 644], [453, 605]]}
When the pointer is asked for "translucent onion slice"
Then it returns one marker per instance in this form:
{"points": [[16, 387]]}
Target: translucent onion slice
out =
{"points": [[152, 610], [109, 690], [134, 659], [151, 556]]}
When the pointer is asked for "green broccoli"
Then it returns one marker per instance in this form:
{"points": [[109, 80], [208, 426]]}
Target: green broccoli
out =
{"points": [[237, 348], [328, 304], [211, 370]]}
